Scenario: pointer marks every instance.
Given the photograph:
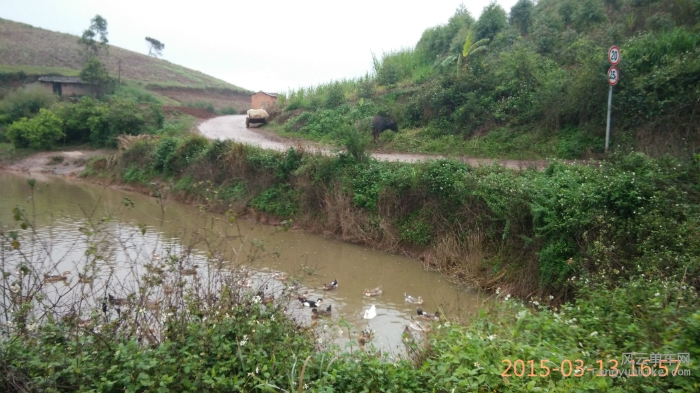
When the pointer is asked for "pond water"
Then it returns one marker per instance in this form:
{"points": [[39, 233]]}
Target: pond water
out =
{"points": [[130, 230]]}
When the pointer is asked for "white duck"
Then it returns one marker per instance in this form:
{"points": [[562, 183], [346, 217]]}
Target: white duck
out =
{"points": [[371, 313]]}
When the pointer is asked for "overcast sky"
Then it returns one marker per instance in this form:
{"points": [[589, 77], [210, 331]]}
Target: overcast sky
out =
{"points": [[259, 45]]}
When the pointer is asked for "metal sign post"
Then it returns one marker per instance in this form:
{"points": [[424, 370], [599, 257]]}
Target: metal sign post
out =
{"points": [[613, 77]]}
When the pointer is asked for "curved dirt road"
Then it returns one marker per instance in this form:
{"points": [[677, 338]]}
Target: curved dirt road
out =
{"points": [[233, 127]]}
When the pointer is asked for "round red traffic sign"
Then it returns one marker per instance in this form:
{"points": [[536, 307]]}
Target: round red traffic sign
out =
{"points": [[613, 75], [614, 55]]}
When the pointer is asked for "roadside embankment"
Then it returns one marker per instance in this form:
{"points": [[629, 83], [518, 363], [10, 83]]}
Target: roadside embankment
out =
{"points": [[525, 231]]}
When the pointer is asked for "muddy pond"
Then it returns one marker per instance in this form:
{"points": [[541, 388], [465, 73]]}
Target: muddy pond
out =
{"points": [[121, 235]]}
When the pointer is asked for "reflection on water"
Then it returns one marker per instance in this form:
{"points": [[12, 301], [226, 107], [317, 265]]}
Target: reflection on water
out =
{"points": [[118, 247]]}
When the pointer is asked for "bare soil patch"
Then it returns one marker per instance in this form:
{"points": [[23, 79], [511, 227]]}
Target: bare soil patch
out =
{"points": [[67, 163]]}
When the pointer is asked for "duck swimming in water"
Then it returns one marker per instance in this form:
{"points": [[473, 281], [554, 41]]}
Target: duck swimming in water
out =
{"points": [[413, 300], [331, 286], [426, 316], [316, 313], [311, 303], [370, 313], [374, 292]]}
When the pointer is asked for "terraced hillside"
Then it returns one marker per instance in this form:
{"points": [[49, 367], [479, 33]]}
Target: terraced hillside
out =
{"points": [[37, 51]]}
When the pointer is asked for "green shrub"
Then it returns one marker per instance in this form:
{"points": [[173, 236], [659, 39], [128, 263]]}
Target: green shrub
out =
{"points": [[416, 230], [164, 154], [572, 143], [280, 200], [40, 132], [186, 154], [335, 96], [25, 102], [355, 143]]}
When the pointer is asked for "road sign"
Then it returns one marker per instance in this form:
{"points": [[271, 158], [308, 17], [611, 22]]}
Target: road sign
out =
{"points": [[614, 55], [613, 76]]}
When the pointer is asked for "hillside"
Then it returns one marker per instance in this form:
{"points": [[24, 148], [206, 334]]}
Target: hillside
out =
{"points": [[524, 83], [36, 51]]}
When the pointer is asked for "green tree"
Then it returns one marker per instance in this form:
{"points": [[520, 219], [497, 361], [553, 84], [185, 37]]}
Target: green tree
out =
{"points": [[95, 73], [491, 21], [155, 47], [521, 15], [98, 27]]}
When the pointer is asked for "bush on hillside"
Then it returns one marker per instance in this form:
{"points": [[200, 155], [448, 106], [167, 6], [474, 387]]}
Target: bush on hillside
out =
{"points": [[25, 102], [39, 132]]}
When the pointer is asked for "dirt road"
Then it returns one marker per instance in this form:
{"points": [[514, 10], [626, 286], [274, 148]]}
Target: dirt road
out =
{"points": [[233, 127]]}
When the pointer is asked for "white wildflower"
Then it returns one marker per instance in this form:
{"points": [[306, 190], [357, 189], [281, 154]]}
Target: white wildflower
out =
{"points": [[272, 318], [256, 299], [551, 297], [593, 334], [508, 296], [320, 341], [31, 327], [476, 364], [242, 343], [492, 337], [656, 294], [257, 370], [536, 303], [498, 291]]}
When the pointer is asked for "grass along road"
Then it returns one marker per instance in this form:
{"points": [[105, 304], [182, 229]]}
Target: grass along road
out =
{"points": [[233, 128]]}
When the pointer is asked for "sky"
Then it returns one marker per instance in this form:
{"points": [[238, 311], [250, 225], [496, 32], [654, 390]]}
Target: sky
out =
{"points": [[273, 46]]}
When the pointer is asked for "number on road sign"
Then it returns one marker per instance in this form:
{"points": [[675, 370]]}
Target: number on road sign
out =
{"points": [[614, 55], [613, 75]]}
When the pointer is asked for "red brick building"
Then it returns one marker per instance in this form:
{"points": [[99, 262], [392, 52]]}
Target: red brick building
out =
{"points": [[262, 100]]}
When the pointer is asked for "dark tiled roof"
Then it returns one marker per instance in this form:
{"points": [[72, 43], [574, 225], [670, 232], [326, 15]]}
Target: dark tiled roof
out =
{"points": [[270, 94], [62, 79]]}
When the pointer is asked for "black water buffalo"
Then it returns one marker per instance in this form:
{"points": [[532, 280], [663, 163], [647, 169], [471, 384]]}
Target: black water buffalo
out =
{"points": [[380, 124]]}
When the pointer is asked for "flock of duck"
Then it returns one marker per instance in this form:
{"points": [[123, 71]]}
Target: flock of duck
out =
{"points": [[366, 334], [315, 305]]}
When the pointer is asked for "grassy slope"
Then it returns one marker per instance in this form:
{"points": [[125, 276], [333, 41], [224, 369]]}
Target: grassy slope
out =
{"points": [[36, 51]]}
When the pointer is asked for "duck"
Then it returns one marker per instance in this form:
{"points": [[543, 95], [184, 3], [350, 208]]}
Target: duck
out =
{"points": [[407, 336], [189, 272], [331, 286], [85, 279], [413, 300], [265, 299], [311, 303], [374, 292], [426, 316], [114, 301], [365, 336], [153, 304], [56, 278], [303, 295], [280, 276], [316, 313], [370, 313]]}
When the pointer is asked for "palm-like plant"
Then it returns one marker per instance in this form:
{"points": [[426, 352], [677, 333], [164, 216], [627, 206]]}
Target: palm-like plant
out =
{"points": [[468, 49]]}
